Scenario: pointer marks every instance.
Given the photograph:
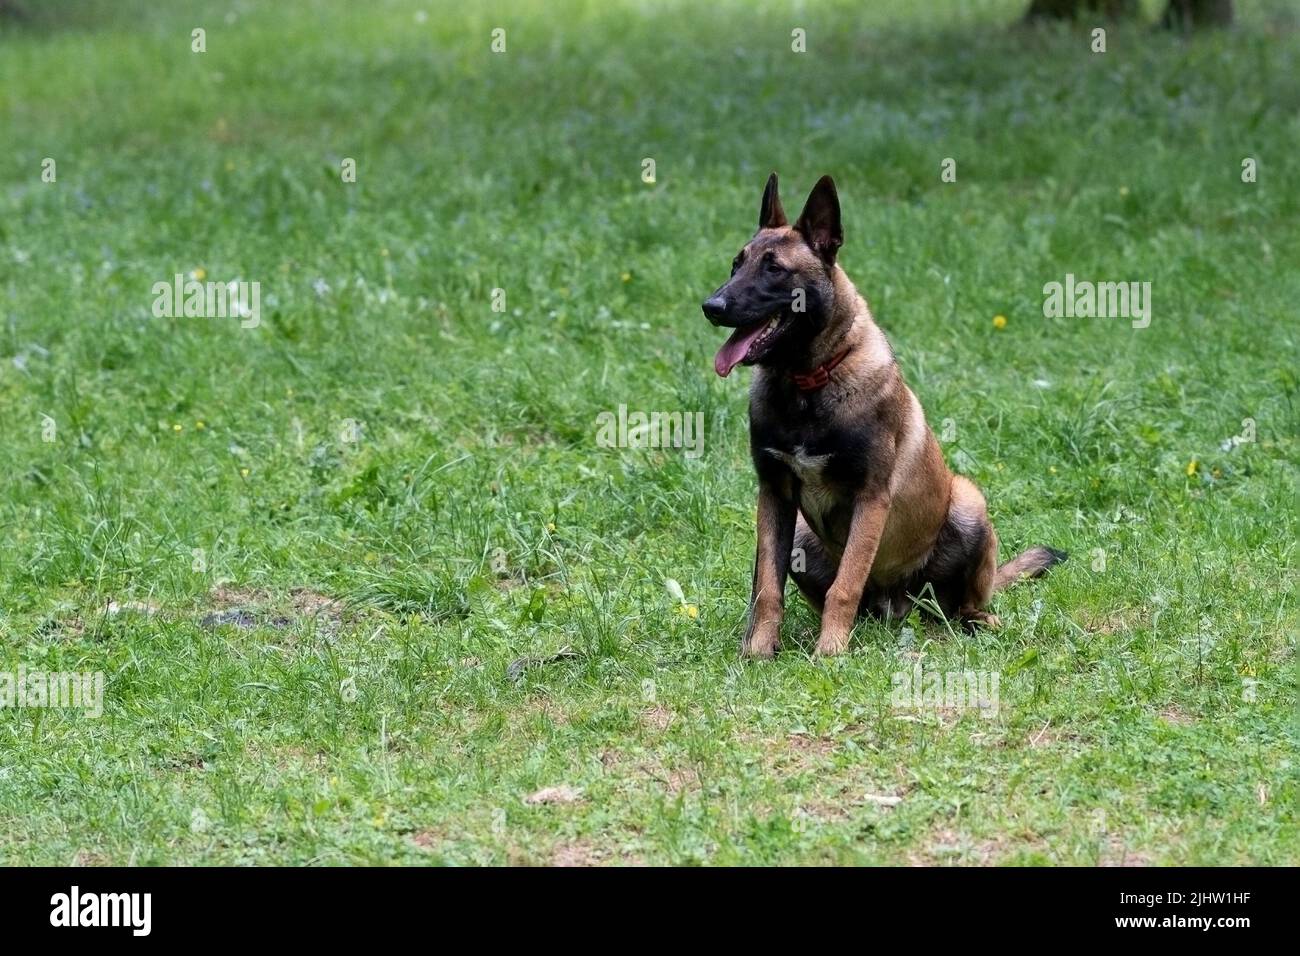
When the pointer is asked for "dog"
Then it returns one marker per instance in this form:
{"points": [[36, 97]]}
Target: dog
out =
{"points": [[855, 501]]}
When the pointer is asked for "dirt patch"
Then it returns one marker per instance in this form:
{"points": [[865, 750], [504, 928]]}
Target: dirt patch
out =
{"points": [[249, 608], [428, 840], [589, 853], [825, 811], [580, 853], [546, 709], [802, 753], [1114, 852], [1049, 736], [682, 779], [632, 771], [674, 780], [224, 596], [1119, 621], [309, 603], [291, 757], [947, 847], [814, 746], [802, 750], [848, 804], [1176, 717], [658, 718]]}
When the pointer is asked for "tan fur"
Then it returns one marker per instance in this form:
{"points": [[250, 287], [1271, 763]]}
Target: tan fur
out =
{"points": [[920, 485], [845, 595]]}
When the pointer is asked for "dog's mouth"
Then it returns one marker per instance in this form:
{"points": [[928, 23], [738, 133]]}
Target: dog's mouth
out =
{"points": [[748, 344]]}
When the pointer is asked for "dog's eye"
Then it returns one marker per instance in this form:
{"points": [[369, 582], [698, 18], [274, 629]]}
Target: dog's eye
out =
{"points": [[771, 265]]}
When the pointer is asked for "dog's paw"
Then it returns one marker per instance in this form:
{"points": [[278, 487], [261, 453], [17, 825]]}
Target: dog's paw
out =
{"points": [[976, 619], [762, 643], [830, 644]]}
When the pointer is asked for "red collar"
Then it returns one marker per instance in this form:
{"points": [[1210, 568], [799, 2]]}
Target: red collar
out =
{"points": [[820, 375]]}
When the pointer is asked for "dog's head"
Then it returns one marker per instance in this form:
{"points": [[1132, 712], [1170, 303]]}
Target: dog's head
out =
{"points": [[782, 282]]}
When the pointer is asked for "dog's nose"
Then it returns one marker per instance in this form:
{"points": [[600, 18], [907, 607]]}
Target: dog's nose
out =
{"points": [[715, 308]]}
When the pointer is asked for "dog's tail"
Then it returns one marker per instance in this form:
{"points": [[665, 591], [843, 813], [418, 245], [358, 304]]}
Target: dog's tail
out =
{"points": [[1028, 564]]}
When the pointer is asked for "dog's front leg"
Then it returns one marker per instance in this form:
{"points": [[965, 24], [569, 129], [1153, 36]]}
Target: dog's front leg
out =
{"points": [[776, 520], [845, 594]]}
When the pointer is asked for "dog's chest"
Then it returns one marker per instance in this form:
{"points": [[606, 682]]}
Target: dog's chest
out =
{"points": [[817, 494]]}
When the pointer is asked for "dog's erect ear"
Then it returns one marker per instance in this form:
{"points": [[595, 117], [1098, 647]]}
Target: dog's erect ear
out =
{"points": [[770, 214], [819, 223]]}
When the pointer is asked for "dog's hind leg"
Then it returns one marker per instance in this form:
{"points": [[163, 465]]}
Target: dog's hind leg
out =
{"points": [[979, 585], [810, 566], [976, 550]]}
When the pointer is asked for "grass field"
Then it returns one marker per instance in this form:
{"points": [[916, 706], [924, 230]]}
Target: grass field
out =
{"points": [[315, 559]]}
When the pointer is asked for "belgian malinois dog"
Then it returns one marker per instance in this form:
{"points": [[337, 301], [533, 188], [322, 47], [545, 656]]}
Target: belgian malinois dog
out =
{"points": [[854, 499]]}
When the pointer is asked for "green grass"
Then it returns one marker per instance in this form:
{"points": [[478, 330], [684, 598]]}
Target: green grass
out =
{"points": [[477, 522]]}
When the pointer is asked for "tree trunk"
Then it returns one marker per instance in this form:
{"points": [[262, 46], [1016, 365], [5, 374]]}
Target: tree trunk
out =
{"points": [[1191, 14], [1072, 9]]}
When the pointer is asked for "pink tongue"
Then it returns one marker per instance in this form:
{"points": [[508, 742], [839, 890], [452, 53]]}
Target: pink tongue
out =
{"points": [[733, 350]]}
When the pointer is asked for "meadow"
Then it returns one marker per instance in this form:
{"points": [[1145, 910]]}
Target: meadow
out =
{"points": [[363, 584]]}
